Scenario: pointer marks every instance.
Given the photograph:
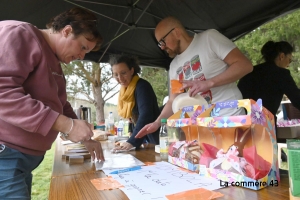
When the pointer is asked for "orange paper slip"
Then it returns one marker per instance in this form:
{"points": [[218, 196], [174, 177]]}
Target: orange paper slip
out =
{"points": [[108, 183], [196, 194], [176, 86]]}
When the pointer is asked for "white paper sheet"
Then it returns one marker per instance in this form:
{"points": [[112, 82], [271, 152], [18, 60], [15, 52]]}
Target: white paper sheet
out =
{"points": [[118, 161], [154, 182], [67, 142]]}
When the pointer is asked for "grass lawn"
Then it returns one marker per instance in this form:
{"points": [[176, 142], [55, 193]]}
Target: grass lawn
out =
{"points": [[284, 165], [42, 176]]}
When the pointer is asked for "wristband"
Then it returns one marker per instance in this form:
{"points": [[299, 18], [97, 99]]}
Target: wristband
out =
{"points": [[65, 135]]}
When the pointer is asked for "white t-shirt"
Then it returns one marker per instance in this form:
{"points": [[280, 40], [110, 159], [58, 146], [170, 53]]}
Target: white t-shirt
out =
{"points": [[203, 59]]}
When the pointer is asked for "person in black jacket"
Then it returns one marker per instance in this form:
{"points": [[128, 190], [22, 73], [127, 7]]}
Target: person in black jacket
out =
{"points": [[271, 80], [137, 99]]}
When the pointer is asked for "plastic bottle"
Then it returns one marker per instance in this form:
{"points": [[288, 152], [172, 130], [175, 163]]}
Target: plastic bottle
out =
{"points": [[116, 128], [163, 140], [111, 123], [120, 128], [125, 129]]}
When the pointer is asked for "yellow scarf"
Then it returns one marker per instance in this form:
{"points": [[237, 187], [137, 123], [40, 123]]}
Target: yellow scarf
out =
{"points": [[126, 99]]}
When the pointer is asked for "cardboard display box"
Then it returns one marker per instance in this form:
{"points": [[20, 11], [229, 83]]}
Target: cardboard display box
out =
{"points": [[240, 150], [184, 149]]}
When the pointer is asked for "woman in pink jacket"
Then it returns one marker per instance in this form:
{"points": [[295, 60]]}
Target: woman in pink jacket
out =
{"points": [[34, 106]]}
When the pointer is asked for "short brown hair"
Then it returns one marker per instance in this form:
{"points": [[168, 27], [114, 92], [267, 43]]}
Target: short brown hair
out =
{"points": [[83, 22]]}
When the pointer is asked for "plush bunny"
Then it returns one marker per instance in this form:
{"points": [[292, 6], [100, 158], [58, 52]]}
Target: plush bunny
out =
{"points": [[241, 137]]}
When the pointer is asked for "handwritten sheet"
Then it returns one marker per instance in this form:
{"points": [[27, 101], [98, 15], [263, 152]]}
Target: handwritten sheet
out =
{"points": [[154, 182], [108, 171]]}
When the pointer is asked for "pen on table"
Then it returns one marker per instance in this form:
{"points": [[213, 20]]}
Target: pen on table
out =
{"points": [[126, 170]]}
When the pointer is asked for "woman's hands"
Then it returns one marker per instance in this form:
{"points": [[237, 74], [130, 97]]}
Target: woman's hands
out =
{"points": [[79, 131], [95, 149]]}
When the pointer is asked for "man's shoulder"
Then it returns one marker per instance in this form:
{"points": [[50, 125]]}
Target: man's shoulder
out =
{"points": [[210, 35], [208, 32]]}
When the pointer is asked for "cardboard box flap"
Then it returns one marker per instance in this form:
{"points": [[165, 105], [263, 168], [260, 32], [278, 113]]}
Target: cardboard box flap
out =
{"points": [[187, 115], [214, 120], [244, 103]]}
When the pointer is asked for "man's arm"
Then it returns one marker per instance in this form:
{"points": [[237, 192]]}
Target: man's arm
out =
{"points": [[165, 113], [239, 66], [167, 110]]}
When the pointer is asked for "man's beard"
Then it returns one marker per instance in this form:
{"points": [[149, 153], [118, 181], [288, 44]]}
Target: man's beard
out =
{"points": [[176, 51]]}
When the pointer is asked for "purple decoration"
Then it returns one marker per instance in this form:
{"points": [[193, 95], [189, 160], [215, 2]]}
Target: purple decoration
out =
{"points": [[227, 104]]}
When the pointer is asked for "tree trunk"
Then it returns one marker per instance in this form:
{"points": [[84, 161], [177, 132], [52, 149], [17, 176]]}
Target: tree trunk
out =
{"points": [[99, 104]]}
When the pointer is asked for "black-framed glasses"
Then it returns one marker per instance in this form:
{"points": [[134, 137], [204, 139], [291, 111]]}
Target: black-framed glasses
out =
{"points": [[161, 42], [289, 56], [123, 74]]}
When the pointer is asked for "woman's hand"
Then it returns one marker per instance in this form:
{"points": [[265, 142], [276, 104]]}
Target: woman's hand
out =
{"points": [[81, 131], [77, 130], [123, 146], [95, 149]]}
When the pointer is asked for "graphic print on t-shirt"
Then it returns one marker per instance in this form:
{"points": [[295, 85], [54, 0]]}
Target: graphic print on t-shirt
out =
{"points": [[196, 65], [179, 72], [192, 70], [188, 74]]}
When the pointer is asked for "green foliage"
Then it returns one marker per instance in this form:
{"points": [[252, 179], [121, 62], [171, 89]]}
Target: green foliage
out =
{"points": [[285, 28], [158, 78]]}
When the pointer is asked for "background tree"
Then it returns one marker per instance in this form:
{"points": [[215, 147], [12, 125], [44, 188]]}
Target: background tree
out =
{"points": [[91, 82], [285, 28], [158, 78]]}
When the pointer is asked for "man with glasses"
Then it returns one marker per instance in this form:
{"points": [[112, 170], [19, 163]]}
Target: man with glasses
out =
{"points": [[207, 63]]}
